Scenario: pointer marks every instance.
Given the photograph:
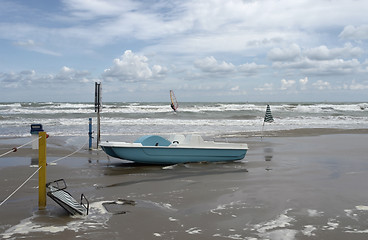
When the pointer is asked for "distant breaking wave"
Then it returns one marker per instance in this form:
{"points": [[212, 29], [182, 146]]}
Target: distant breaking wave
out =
{"points": [[71, 119]]}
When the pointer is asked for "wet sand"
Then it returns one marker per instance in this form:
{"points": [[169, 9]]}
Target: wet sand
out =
{"points": [[299, 186]]}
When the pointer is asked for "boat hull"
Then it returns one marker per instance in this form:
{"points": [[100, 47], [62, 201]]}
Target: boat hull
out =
{"points": [[173, 155]]}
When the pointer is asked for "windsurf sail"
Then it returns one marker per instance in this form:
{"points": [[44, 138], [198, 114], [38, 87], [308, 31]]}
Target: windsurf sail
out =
{"points": [[174, 103]]}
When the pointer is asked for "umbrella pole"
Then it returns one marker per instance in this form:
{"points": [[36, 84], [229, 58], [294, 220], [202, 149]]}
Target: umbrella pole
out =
{"points": [[262, 130]]}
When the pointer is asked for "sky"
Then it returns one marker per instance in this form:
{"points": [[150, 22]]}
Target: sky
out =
{"points": [[204, 50]]}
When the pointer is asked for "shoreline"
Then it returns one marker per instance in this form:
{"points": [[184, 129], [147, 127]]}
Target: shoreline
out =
{"points": [[60, 145], [300, 132]]}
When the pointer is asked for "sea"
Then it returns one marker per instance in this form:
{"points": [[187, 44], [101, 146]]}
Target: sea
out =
{"points": [[142, 118]]}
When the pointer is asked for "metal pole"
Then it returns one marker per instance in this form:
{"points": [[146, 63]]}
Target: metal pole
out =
{"points": [[98, 107], [42, 171], [98, 129], [90, 133]]}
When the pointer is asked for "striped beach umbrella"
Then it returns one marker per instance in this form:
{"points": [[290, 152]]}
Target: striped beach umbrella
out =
{"points": [[268, 116]]}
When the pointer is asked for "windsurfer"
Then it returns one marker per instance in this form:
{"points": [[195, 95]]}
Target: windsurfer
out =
{"points": [[174, 103], [173, 107]]}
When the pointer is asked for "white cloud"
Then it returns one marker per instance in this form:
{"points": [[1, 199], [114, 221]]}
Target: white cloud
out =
{"points": [[355, 33], [28, 73], [132, 68], [31, 45], [265, 87], [158, 70], [356, 86], [236, 88], [324, 53], [250, 68], [29, 78], [70, 75], [290, 85], [66, 70], [303, 82], [334, 67], [184, 26], [93, 8], [222, 25], [318, 61], [210, 64], [326, 67], [287, 84], [286, 54], [27, 43], [231, 40], [322, 85]]}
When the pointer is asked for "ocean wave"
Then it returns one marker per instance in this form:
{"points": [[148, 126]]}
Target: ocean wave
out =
{"points": [[50, 107], [207, 118]]}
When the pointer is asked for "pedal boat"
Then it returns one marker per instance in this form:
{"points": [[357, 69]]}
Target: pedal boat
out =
{"points": [[153, 149]]}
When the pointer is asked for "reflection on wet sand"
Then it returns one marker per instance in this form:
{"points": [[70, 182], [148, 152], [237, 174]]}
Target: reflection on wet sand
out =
{"points": [[172, 172], [268, 155]]}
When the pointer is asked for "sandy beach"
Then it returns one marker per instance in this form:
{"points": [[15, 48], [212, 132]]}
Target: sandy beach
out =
{"points": [[295, 185]]}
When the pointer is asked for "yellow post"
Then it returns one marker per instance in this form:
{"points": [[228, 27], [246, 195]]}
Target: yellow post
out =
{"points": [[42, 171]]}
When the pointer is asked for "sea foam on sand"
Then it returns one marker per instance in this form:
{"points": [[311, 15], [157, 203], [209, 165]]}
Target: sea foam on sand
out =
{"points": [[97, 218]]}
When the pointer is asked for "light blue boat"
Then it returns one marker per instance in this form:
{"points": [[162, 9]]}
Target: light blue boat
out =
{"points": [[154, 149]]}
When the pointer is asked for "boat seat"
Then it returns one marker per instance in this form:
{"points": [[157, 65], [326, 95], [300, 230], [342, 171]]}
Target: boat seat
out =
{"points": [[152, 140], [194, 140], [56, 191], [177, 138]]}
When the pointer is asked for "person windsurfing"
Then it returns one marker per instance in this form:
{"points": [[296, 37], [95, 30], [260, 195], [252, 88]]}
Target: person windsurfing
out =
{"points": [[174, 104], [173, 107]]}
